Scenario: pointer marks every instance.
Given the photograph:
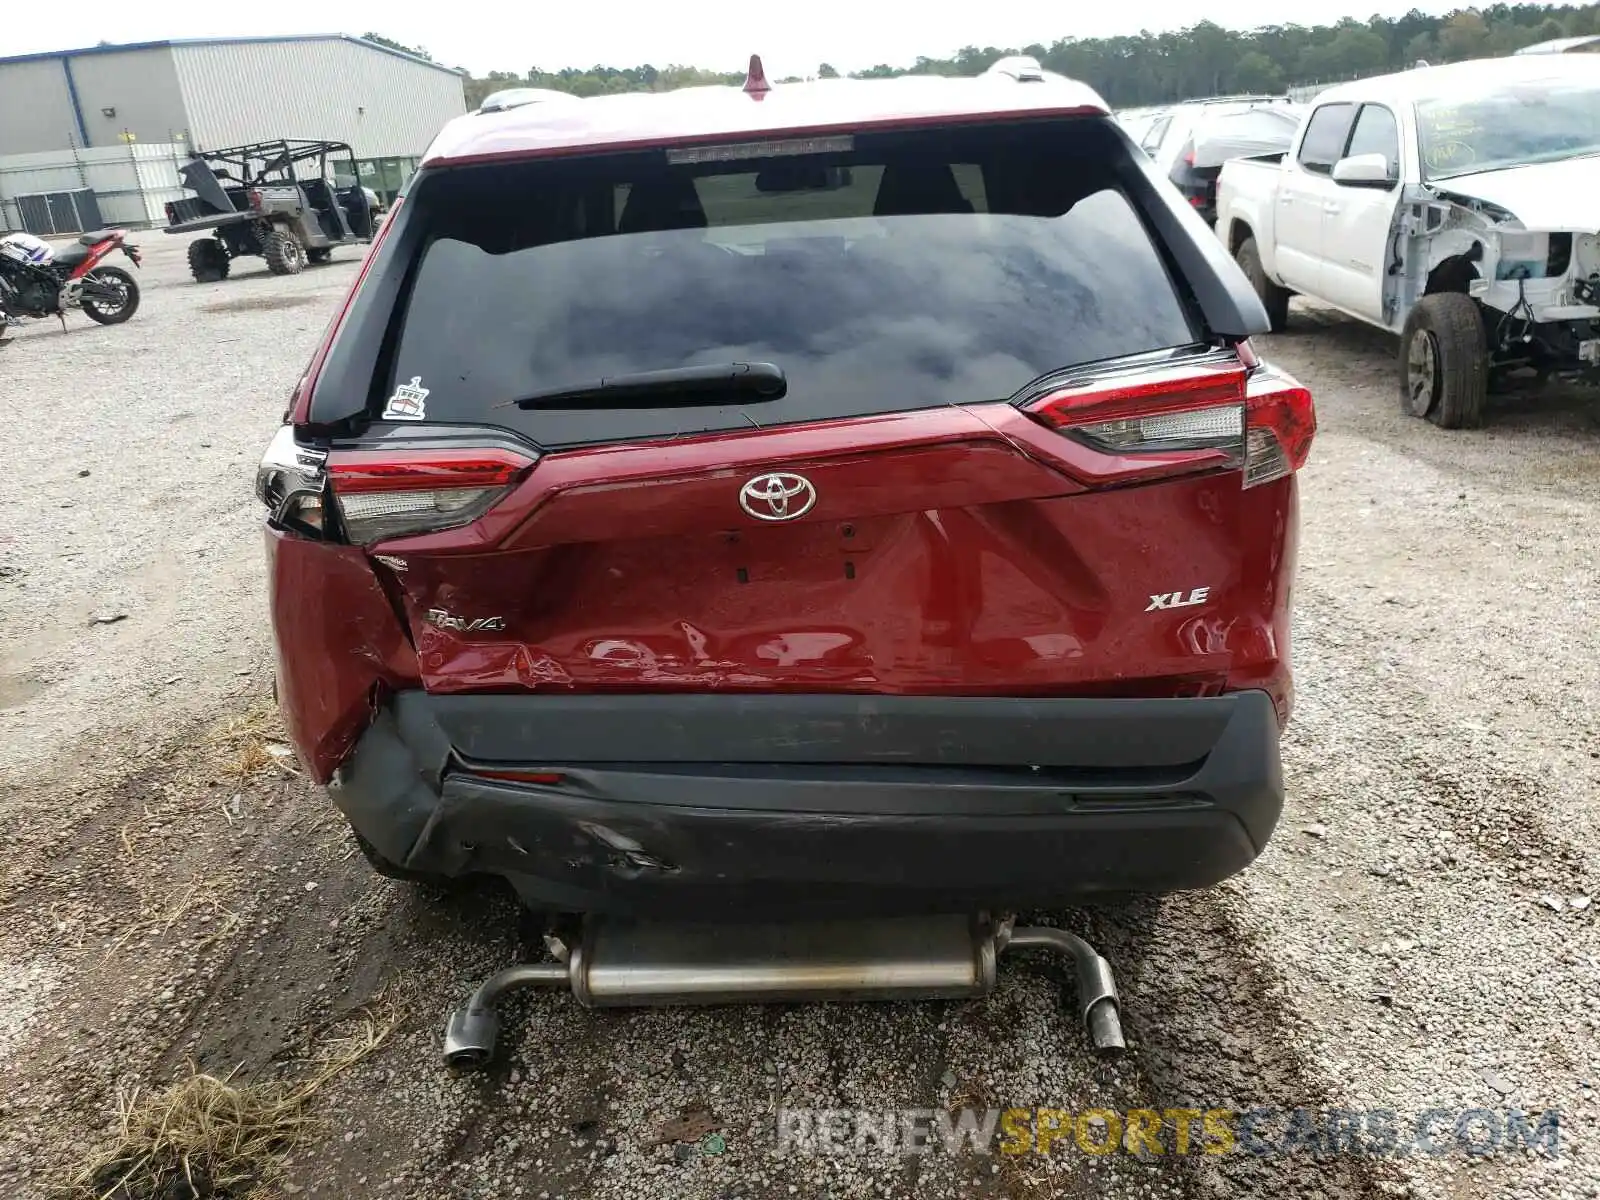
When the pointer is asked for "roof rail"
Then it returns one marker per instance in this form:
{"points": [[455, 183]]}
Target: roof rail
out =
{"points": [[1024, 68], [508, 98]]}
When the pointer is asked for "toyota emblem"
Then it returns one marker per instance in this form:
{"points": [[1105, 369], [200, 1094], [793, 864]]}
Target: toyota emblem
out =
{"points": [[779, 496]]}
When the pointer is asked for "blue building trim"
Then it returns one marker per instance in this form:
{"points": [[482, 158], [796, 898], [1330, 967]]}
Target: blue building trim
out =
{"points": [[77, 105], [64, 55]]}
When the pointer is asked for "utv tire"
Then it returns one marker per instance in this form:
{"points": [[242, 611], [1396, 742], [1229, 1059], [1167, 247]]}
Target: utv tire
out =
{"points": [[208, 261], [320, 256], [393, 870], [1273, 298], [283, 252], [107, 315], [1444, 361]]}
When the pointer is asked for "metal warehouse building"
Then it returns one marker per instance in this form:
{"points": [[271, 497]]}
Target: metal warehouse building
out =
{"points": [[110, 120]]}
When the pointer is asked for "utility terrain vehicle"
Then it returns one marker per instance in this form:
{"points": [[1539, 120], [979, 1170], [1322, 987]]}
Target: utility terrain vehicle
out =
{"points": [[277, 200]]}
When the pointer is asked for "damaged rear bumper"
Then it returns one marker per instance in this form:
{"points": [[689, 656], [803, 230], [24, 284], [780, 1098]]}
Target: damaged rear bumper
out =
{"points": [[817, 805]]}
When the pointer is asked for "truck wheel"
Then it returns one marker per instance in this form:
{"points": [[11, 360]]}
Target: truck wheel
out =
{"points": [[208, 261], [1274, 299], [392, 870], [1444, 361], [283, 252]]}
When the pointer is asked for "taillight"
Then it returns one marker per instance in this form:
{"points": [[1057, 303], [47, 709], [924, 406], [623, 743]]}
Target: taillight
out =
{"points": [[387, 494], [1166, 409], [1280, 421], [254, 197], [1191, 417], [291, 481]]}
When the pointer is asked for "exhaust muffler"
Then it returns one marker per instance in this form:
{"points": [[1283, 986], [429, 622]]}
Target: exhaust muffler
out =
{"points": [[616, 963]]}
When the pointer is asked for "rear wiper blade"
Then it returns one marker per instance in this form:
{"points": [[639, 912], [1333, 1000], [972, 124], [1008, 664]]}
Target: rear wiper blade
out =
{"points": [[676, 387]]}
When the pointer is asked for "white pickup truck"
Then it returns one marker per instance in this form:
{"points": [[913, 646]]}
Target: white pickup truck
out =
{"points": [[1458, 206]]}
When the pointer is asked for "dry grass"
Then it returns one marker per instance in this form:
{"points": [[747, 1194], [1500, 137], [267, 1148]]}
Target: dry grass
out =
{"points": [[158, 914], [247, 744], [205, 1138], [251, 743], [202, 1137]]}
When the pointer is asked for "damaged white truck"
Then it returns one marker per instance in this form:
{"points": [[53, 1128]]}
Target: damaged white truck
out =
{"points": [[1457, 206]]}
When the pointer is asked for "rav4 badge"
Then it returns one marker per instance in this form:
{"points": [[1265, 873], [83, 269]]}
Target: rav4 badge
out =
{"points": [[444, 620]]}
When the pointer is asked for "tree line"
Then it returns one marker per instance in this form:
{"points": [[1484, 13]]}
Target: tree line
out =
{"points": [[1150, 68]]}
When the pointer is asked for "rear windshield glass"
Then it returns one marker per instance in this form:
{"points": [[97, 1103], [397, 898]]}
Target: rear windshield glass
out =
{"points": [[893, 272]]}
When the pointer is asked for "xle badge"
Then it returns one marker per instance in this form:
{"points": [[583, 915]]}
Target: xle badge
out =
{"points": [[409, 402], [1178, 599]]}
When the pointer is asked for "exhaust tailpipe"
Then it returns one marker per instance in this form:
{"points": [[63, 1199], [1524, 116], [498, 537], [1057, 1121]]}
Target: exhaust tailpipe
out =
{"points": [[470, 1037], [629, 963]]}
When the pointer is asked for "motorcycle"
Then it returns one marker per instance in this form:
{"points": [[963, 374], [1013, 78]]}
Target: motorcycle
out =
{"points": [[32, 285]]}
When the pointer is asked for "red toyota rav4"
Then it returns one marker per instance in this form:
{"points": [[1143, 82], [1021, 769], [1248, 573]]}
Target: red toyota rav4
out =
{"points": [[849, 498]]}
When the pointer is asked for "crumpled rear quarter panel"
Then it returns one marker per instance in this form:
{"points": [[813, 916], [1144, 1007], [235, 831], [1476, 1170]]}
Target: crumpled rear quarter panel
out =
{"points": [[338, 642]]}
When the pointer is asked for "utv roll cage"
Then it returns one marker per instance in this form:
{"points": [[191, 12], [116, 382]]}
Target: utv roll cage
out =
{"points": [[273, 199], [258, 163]]}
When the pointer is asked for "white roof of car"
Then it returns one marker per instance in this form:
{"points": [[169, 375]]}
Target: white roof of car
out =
{"points": [[1463, 78]]}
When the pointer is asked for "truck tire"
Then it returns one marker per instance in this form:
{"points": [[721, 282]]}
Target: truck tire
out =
{"points": [[208, 261], [318, 256], [1444, 361], [283, 252], [1274, 299]]}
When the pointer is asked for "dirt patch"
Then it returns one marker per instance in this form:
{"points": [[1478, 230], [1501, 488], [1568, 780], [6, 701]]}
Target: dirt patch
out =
{"points": [[250, 304], [15, 691]]}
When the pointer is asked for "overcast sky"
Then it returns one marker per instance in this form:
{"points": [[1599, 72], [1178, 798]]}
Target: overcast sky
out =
{"points": [[792, 37]]}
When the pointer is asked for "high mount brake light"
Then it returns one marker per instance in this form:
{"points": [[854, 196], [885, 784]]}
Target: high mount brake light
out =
{"points": [[387, 494], [776, 148], [1215, 415]]}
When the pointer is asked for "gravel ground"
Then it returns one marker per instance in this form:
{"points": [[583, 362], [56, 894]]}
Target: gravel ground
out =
{"points": [[1417, 936], [136, 507]]}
